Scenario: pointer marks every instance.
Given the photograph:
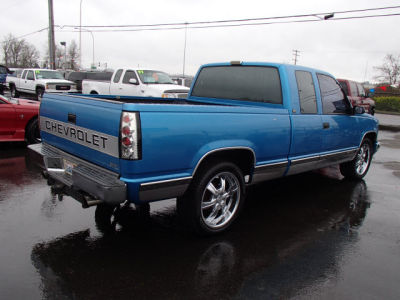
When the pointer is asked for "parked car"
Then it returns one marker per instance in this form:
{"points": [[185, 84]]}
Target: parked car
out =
{"points": [[136, 82], [38, 81], [19, 120], [357, 95], [242, 123], [4, 71], [78, 77]]}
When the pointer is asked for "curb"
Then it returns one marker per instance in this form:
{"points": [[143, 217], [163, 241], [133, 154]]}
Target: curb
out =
{"points": [[393, 128]]}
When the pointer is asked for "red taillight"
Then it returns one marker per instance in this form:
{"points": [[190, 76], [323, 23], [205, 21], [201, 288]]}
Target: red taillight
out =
{"points": [[130, 141], [126, 119], [126, 141], [126, 130]]}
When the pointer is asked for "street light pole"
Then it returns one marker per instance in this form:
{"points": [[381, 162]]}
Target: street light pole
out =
{"points": [[80, 34], [184, 52], [87, 30]]}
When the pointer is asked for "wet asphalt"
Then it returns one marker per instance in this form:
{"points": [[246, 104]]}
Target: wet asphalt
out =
{"points": [[313, 235]]}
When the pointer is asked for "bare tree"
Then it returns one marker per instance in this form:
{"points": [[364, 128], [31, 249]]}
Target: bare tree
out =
{"points": [[65, 60], [18, 53], [73, 55], [389, 70]]}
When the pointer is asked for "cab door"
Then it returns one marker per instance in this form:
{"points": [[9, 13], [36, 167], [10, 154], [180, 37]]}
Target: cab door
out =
{"points": [[128, 86], [307, 128], [7, 120], [30, 82], [340, 127]]}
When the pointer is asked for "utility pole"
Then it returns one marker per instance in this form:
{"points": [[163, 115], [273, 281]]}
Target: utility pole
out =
{"points": [[296, 54], [52, 47], [184, 52]]}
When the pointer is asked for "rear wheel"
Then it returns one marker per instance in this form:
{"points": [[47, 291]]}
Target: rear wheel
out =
{"points": [[105, 217], [358, 167], [214, 199], [14, 92]]}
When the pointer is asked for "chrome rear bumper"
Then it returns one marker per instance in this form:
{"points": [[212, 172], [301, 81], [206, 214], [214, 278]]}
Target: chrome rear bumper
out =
{"points": [[79, 178]]}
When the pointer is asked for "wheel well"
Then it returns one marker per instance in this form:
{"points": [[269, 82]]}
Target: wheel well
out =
{"points": [[94, 93], [371, 136], [243, 158], [39, 87]]}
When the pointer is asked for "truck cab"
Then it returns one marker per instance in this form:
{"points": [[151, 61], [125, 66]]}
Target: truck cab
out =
{"points": [[39, 81], [138, 83], [356, 94]]}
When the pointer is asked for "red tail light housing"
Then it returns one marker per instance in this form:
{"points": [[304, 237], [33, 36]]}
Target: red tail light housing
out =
{"points": [[130, 136]]}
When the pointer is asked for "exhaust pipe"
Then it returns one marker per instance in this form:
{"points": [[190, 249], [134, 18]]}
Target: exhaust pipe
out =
{"points": [[88, 201]]}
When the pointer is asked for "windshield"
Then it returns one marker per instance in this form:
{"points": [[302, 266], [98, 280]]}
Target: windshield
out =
{"points": [[154, 77], [48, 75], [11, 100]]}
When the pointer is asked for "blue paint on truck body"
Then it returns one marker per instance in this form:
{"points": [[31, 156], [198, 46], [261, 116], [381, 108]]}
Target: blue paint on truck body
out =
{"points": [[177, 136]]}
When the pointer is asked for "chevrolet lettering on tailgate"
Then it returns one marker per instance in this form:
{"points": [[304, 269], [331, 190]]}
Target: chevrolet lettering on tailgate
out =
{"points": [[92, 139]]}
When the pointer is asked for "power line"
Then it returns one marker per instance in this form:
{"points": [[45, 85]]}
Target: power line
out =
{"points": [[184, 24], [223, 23], [240, 25], [37, 31]]}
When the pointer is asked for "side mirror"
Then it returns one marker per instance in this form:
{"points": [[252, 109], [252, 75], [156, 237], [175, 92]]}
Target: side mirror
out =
{"points": [[358, 110], [133, 81]]}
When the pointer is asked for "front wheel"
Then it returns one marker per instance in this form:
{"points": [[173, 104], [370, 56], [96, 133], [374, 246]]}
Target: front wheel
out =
{"points": [[358, 167], [33, 132], [214, 199], [39, 93]]}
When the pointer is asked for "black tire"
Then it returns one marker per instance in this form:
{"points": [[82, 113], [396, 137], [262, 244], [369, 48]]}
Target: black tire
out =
{"points": [[32, 133], [14, 92], [105, 217], [359, 166], [39, 93], [214, 199], [372, 110]]}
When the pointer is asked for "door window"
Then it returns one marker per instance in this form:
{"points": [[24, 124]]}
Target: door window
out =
{"points": [[361, 91], [117, 76], [353, 89], [129, 74], [308, 99], [333, 99], [30, 76]]}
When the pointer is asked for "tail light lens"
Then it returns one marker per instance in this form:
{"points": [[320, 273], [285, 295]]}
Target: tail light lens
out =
{"points": [[130, 136]]}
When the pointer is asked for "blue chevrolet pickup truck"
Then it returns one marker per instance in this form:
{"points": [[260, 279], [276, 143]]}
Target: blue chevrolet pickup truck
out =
{"points": [[242, 123]]}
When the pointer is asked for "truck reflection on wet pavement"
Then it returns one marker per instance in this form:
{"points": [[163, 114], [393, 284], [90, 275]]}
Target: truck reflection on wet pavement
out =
{"points": [[312, 235]]}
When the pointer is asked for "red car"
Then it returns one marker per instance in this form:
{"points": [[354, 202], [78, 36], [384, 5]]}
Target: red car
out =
{"points": [[19, 120], [356, 94]]}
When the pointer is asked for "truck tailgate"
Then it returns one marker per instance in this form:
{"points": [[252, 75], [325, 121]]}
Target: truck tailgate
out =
{"points": [[85, 127]]}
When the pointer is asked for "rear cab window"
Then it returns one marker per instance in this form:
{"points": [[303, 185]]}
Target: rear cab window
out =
{"points": [[244, 83], [306, 90]]}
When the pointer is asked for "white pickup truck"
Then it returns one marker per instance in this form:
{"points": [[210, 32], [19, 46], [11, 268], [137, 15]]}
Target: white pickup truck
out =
{"points": [[38, 81], [135, 82]]}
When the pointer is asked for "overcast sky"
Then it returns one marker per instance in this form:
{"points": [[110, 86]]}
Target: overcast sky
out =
{"points": [[346, 48]]}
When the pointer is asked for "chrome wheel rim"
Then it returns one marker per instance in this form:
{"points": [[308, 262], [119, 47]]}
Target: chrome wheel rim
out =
{"points": [[220, 200], [363, 158]]}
